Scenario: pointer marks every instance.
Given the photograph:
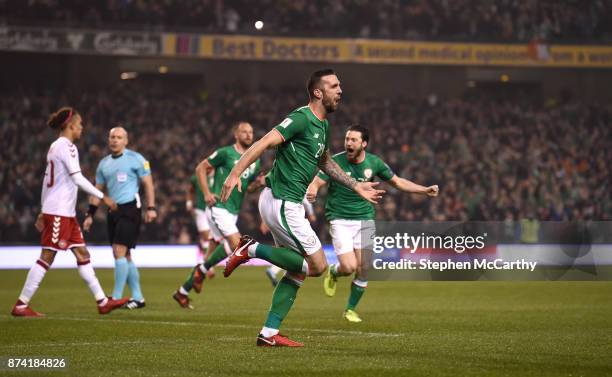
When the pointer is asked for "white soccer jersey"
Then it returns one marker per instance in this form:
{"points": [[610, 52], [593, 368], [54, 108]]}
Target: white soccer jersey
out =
{"points": [[59, 192]]}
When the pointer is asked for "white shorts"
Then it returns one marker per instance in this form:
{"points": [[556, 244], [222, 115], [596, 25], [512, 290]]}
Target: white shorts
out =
{"points": [[222, 223], [349, 235], [288, 224], [201, 219]]}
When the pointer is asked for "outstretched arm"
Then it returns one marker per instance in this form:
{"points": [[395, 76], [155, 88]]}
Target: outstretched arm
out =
{"points": [[365, 189], [405, 185], [270, 140], [335, 172]]}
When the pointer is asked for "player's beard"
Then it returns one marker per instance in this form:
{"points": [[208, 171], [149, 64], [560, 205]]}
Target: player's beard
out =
{"points": [[245, 144], [329, 104]]}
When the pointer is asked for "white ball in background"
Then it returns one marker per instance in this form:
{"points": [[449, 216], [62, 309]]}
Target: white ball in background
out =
{"points": [[259, 25]]}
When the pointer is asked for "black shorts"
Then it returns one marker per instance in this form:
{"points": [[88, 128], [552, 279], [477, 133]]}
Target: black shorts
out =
{"points": [[124, 225]]}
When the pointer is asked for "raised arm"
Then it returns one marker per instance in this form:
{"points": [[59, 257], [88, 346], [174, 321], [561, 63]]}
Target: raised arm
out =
{"points": [[405, 185], [270, 140], [335, 172]]}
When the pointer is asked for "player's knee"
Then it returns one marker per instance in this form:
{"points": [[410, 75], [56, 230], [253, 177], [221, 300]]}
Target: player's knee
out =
{"points": [[348, 268], [48, 259], [317, 269], [84, 255]]}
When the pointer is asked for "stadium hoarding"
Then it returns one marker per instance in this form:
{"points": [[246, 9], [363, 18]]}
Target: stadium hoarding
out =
{"points": [[240, 47], [525, 250], [69, 41], [146, 256]]}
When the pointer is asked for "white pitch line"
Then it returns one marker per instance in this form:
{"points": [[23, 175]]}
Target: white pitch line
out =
{"points": [[233, 326]]}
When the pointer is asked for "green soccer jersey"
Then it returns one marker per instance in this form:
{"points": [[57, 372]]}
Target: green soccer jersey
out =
{"points": [[296, 162], [344, 203], [223, 160], [199, 195]]}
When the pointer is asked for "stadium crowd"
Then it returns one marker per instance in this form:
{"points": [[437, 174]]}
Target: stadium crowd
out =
{"points": [[494, 159], [473, 20]]}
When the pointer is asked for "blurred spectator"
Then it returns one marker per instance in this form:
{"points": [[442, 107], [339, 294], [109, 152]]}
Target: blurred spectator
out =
{"points": [[494, 159], [456, 20]]}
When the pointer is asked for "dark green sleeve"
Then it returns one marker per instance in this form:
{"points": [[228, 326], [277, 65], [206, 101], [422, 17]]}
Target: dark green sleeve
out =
{"points": [[293, 125], [323, 176], [327, 137], [217, 158], [384, 172]]}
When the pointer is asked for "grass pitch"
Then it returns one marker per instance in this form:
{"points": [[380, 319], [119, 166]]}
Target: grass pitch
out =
{"points": [[409, 329]]}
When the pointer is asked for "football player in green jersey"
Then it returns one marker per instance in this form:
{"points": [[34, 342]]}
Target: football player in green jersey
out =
{"points": [[350, 217], [222, 216], [302, 147], [196, 206]]}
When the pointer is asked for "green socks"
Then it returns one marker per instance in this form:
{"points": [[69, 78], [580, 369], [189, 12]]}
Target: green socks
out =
{"points": [[286, 259], [188, 284], [217, 256], [282, 300], [356, 293]]}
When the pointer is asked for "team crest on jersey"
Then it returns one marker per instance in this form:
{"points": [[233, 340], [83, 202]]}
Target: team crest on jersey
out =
{"points": [[62, 244], [311, 241], [367, 173]]}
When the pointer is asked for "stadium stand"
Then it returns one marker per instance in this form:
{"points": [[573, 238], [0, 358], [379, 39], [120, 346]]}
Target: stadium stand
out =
{"points": [[457, 20], [494, 158]]}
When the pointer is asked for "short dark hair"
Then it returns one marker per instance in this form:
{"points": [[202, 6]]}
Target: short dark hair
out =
{"points": [[314, 80], [60, 119], [365, 134], [237, 124]]}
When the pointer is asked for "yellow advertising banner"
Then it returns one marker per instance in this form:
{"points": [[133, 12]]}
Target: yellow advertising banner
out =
{"points": [[385, 52]]}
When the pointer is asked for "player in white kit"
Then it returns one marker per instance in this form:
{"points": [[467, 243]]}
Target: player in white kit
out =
{"points": [[57, 223]]}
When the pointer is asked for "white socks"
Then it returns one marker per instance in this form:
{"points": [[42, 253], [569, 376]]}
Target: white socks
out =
{"points": [[251, 249], [35, 276], [88, 274], [268, 332]]}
